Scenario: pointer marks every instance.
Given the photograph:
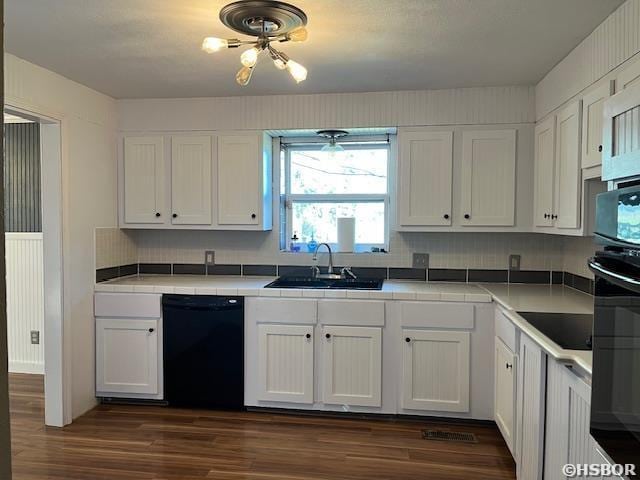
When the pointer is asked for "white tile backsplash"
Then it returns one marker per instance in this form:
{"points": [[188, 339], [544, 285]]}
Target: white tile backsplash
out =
{"points": [[115, 247], [577, 251]]}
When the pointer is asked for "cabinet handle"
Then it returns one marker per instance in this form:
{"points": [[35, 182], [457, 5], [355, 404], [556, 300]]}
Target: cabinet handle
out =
{"points": [[328, 335], [175, 215], [253, 215], [308, 335], [446, 216], [599, 148], [554, 217], [546, 215], [408, 340], [157, 214], [467, 216], [508, 366], [151, 330]]}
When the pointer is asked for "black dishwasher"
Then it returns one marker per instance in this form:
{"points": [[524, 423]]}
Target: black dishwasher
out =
{"points": [[203, 351]]}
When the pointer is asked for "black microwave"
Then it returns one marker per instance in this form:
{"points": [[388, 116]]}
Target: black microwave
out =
{"points": [[615, 394]]}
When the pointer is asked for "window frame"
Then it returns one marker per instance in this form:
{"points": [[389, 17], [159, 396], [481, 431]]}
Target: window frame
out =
{"points": [[291, 198]]}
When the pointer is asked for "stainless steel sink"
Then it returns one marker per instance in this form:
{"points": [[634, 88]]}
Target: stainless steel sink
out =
{"points": [[340, 283]]}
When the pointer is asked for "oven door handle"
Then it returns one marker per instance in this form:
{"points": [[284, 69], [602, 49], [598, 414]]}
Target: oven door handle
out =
{"points": [[623, 281]]}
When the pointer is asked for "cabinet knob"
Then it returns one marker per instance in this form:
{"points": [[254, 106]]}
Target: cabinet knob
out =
{"points": [[253, 215], [446, 216], [599, 148], [407, 340], [328, 335], [175, 215], [546, 215], [467, 216], [151, 330], [308, 335], [508, 366], [554, 216], [157, 214]]}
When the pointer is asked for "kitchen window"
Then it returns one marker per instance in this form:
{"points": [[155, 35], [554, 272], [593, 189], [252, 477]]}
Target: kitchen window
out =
{"points": [[319, 187]]}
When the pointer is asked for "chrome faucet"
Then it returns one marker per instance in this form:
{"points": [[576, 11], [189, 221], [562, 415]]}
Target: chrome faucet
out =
{"points": [[316, 270]]}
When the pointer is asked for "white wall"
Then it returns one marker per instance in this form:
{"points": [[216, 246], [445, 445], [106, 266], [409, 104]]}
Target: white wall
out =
{"points": [[89, 197], [25, 301], [613, 42]]}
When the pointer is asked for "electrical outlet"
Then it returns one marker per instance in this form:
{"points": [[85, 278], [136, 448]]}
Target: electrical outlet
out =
{"points": [[35, 337], [420, 260], [209, 257], [514, 262]]}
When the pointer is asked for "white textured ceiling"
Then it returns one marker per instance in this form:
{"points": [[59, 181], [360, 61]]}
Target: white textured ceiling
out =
{"points": [[151, 48]]}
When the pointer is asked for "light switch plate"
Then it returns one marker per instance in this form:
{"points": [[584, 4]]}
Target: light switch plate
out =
{"points": [[514, 262], [209, 257], [420, 260], [35, 337]]}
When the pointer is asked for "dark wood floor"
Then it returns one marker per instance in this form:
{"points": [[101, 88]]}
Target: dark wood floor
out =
{"points": [[139, 442]]}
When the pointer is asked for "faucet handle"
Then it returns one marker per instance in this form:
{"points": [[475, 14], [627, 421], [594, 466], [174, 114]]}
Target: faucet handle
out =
{"points": [[346, 272]]}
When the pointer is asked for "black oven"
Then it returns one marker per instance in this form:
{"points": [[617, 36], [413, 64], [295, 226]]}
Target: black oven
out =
{"points": [[615, 397]]}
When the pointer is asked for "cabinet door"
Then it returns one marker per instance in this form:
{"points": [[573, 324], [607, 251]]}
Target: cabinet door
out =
{"points": [[530, 410], [505, 392], [568, 415], [545, 148], [628, 77], [435, 374], [425, 165], [143, 172], [352, 365], [592, 124], [126, 356], [285, 358], [239, 179], [191, 180], [488, 178], [568, 174]]}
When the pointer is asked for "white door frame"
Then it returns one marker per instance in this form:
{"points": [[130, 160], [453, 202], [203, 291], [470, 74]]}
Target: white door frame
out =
{"points": [[57, 348]]}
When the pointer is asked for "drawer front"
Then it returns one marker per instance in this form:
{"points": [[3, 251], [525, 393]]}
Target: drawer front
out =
{"points": [[282, 310], [437, 315], [128, 305], [351, 312], [505, 330]]}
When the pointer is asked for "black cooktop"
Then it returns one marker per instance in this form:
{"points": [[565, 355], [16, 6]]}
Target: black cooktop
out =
{"points": [[571, 331]]}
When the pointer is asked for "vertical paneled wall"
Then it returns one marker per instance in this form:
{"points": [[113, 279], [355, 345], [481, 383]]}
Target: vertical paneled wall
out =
{"points": [[25, 301], [22, 205]]}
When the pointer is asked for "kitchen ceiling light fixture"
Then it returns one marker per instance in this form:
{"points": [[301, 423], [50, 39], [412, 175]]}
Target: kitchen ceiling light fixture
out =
{"points": [[332, 147], [269, 21]]}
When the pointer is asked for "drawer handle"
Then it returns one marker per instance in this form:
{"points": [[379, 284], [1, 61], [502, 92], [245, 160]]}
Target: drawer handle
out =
{"points": [[151, 330], [408, 340], [328, 336], [508, 365], [308, 335]]}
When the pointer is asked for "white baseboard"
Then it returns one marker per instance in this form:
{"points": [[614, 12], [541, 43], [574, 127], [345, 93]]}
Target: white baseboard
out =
{"points": [[26, 367]]}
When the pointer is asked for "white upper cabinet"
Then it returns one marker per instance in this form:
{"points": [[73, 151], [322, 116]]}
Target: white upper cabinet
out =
{"points": [[213, 181], [191, 180], [425, 162], [143, 180], [488, 178], [592, 112], [568, 176], [244, 180], [544, 175]]}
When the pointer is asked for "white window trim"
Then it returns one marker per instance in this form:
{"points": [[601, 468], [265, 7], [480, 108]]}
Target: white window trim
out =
{"points": [[336, 197]]}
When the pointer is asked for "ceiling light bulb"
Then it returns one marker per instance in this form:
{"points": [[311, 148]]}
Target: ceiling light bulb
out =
{"points": [[213, 44], [297, 71], [244, 75], [298, 35], [249, 57]]}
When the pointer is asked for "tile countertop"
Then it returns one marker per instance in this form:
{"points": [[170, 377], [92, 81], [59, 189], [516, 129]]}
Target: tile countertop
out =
{"points": [[544, 298], [512, 298]]}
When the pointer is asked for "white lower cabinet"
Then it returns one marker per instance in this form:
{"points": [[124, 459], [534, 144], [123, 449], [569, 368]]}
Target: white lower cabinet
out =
{"points": [[352, 365], [568, 414], [505, 391], [127, 357], [285, 363], [435, 373], [530, 408]]}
